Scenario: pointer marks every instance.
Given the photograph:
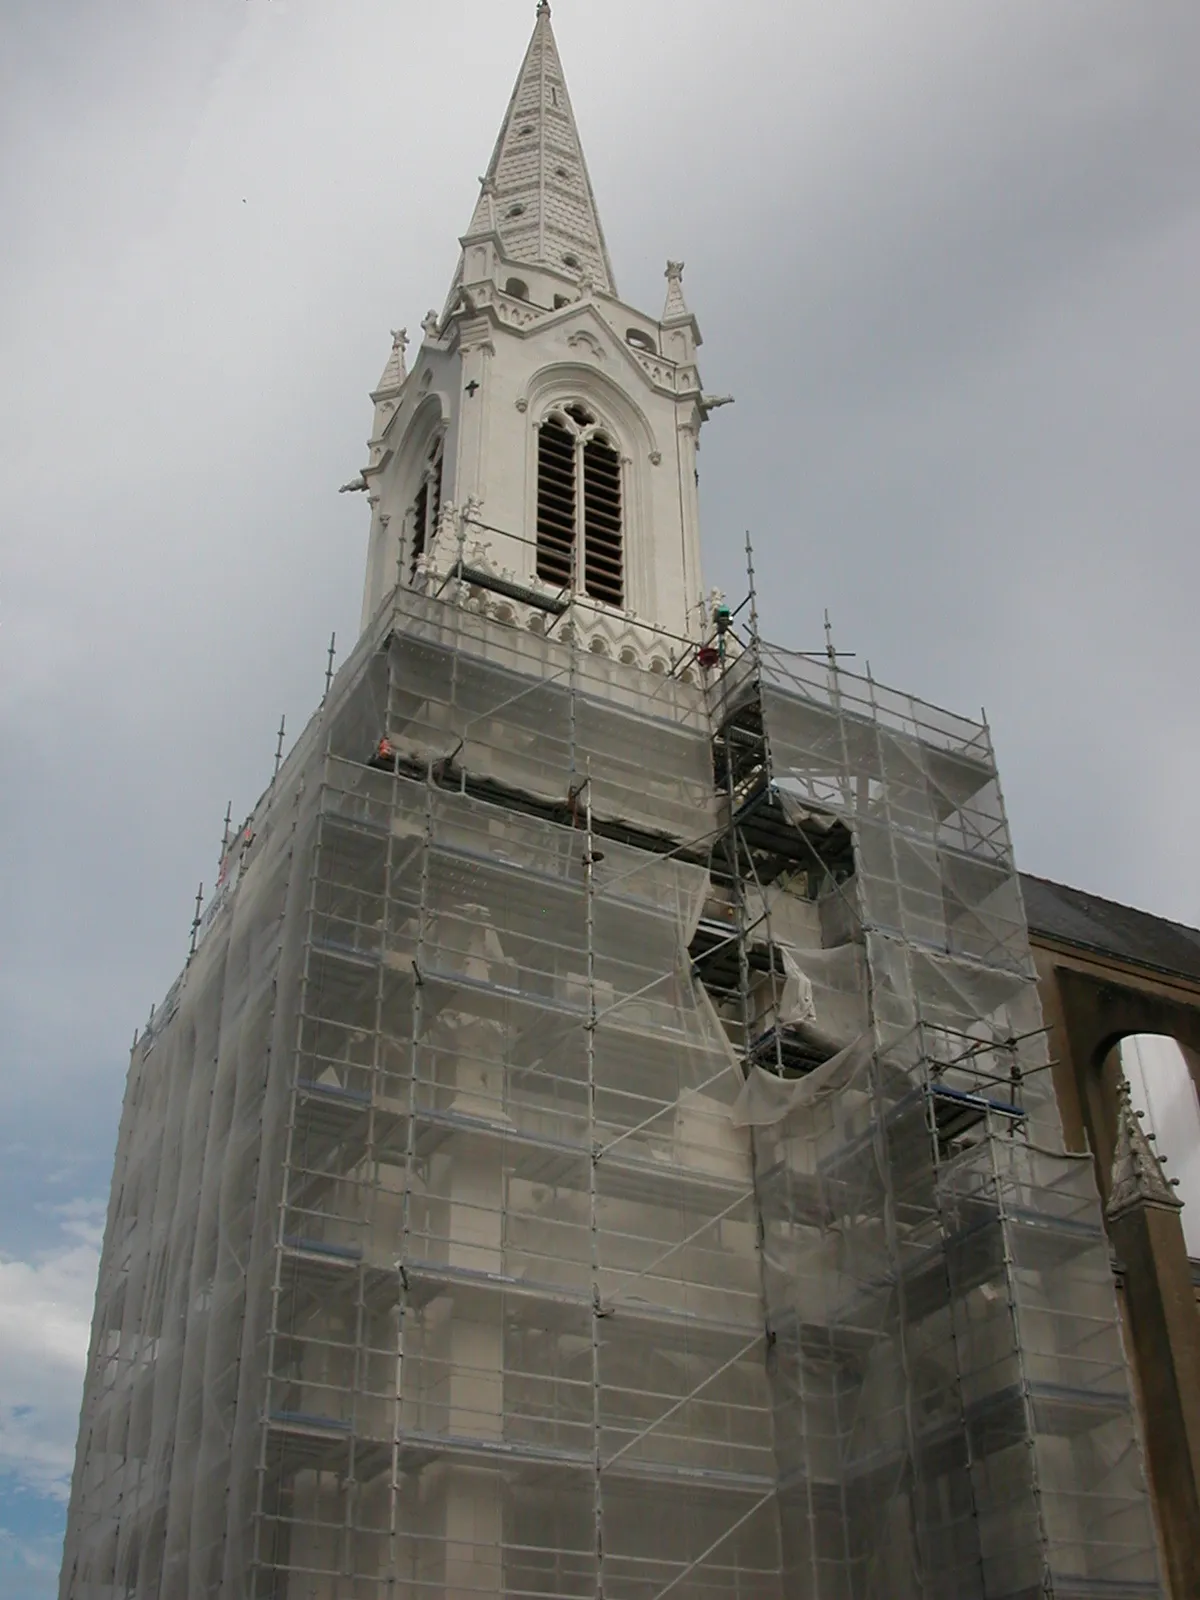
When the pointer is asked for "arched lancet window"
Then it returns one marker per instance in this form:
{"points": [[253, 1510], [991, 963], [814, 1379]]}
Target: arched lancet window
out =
{"points": [[427, 506], [579, 506]]}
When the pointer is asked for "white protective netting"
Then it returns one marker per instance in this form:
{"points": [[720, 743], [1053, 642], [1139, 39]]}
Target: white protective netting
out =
{"points": [[453, 1251], [953, 1415], [470, 1301]]}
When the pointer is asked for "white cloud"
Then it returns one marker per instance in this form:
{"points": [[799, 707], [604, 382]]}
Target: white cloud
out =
{"points": [[28, 1566], [45, 1320]]}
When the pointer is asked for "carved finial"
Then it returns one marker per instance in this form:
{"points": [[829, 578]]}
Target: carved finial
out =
{"points": [[394, 371], [1137, 1177], [676, 305], [587, 284], [429, 327], [543, 9]]}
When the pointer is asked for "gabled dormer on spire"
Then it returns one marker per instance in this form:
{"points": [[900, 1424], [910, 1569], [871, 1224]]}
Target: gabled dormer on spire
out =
{"points": [[536, 194]]}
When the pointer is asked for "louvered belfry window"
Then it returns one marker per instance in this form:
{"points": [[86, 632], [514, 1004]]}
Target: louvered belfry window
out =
{"points": [[602, 521], [556, 505], [427, 507], [579, 506]]}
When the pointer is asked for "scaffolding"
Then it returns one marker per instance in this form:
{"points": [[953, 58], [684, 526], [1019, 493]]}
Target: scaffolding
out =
{"points": [[952, 1405], [601, 1145]]}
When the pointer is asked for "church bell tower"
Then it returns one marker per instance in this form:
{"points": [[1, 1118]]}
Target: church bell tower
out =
{"points": [[545, 435], [601, 1144]]}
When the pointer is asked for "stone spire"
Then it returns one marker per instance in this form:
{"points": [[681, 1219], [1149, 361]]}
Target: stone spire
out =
{"points": [[1137, 1177], [536, 194]]}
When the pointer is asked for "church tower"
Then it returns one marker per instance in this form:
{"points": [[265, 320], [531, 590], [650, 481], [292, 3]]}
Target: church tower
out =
{"points": [[601, 1144], [546, 433]]}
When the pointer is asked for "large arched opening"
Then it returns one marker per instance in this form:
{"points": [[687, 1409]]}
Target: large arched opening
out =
{"points": [[1099, 1008], [1162, 1076]]}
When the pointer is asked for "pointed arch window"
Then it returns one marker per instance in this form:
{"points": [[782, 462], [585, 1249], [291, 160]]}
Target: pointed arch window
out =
{"points": [[580, 512], [427, 507]]}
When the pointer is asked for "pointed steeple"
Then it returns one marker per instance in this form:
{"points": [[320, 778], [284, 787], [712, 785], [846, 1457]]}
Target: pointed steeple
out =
{"points": [[536, 194], [1137, 1177]]}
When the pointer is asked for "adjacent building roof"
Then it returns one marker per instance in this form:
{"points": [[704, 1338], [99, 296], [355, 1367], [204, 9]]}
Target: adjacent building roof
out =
{"points": [[1073, 916], [536, 193]]}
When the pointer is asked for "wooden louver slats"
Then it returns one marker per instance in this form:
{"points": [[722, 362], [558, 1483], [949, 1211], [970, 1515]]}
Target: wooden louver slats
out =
{"points": [[435, 507], [420, 517], [427, 507], [555, 502], [602, 522]]}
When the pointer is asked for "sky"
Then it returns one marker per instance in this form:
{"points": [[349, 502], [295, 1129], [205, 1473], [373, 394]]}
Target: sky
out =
{"points": [[944, 256]]}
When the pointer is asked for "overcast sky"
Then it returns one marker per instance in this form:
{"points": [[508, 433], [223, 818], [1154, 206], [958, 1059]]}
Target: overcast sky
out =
{"points": [[944, 255]]}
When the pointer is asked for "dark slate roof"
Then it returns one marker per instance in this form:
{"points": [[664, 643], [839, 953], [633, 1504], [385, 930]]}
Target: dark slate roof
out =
{"points": [[1073, 917]]}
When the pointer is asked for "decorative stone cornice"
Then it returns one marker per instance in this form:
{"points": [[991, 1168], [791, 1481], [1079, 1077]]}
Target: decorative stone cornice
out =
{"points": [[598, 631], [1137, 1177]]}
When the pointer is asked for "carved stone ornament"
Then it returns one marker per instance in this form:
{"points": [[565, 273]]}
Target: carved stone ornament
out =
{"points": [[587, 341], [713, 402], [656, 458], [676, 306], [1137, 1177]]}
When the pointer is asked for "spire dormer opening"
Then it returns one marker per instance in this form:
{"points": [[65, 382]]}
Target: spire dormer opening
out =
{"points": [[580, 506]]}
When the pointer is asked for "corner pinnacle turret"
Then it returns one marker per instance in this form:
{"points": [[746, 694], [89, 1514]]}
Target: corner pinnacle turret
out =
{"points": [[1137, 1178], [536, 194]]}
